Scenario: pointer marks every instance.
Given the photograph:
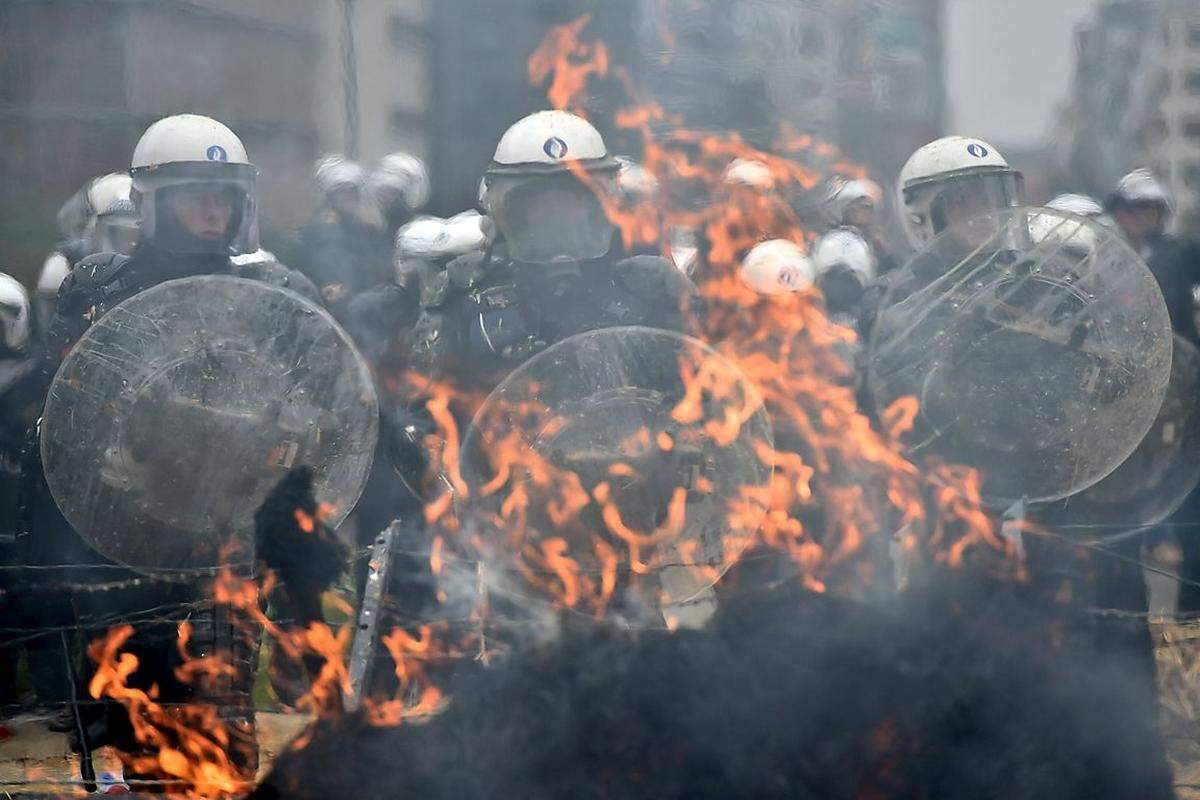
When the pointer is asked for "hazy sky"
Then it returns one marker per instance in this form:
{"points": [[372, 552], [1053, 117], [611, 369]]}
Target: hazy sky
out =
{"points": [[1008, 64]]}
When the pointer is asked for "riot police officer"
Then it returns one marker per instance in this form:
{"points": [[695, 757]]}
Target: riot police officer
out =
{"points": [[1141, 208], [194, 188], [552, 269], [399, 188], [341, 251], [20, 399], [845, 263], [853, 205], [950, 184], [555, 269]]}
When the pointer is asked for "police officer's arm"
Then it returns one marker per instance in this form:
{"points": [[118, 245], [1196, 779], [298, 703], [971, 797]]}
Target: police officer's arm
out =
{"points": [[676, 299], [70, 321], [94, 282]]}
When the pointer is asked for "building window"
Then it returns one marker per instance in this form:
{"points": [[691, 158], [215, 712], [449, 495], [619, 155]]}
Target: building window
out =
{"points": [[1192, 82], [1191, 129], [1194, 37]]}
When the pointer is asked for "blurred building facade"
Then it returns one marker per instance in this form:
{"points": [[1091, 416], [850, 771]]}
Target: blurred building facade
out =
{"points": [[866, 75], [389, 57], [1135, 101], [80, 81], [891, 94]]}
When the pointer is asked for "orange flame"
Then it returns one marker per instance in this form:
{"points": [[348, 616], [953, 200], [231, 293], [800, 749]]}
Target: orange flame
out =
{"points": [[188, 742], [570, 62]]}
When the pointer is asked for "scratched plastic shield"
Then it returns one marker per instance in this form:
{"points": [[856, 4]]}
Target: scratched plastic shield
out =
{"points": [[178, 410], [1037, 345], [631, 447], [1155, 480]]}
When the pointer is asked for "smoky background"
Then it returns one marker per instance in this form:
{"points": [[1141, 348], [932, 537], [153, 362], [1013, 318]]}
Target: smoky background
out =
{"points": [[81, 79]]}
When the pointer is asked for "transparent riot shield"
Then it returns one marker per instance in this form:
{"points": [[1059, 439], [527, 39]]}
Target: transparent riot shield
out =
{"points": [[1037, 345], [1155, 480], [178, 410], [618, 472]]}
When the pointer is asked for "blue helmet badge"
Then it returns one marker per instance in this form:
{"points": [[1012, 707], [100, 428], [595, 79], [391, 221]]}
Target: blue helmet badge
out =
{"points": [[555, 147], [977, 150], [217, 153]]}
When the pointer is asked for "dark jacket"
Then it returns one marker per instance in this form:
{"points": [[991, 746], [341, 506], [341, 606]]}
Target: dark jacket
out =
{"points": [[1175, 264], [483, 316]]}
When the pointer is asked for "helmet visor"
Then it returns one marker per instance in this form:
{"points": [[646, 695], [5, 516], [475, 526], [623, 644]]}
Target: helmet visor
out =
{"points": [[549, 217], [183, 204], [200, 217], [967, 199]]}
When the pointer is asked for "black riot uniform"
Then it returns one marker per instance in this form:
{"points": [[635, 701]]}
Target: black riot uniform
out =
{"points": [[484, 316], [551, 271], [22, 388]]}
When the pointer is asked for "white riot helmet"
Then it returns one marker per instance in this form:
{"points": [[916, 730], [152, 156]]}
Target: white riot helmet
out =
{"points": [[400, 184], [188, 157], [1063, 231], [334, 173], [844, 249], [845, 266], [1081, 205], [748, 172], [75, 216], [434, 238], [14, 313], [542, 207], [54, 271], [954, 178], [842, 195], [1139, 188], [116, 224], [777, 266]]}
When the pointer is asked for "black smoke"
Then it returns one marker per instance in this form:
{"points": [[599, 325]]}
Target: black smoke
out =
{"points": [[971, 691]]}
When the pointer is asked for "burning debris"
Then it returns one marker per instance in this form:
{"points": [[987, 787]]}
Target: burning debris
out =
{"points": [[786, 694]]}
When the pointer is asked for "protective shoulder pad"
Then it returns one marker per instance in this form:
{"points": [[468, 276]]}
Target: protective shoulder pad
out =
{"points": [[96, 271], [652, 277]]}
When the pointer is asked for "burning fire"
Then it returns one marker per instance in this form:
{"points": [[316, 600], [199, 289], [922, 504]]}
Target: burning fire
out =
{"points": [[187, 742], [836, 482]]}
